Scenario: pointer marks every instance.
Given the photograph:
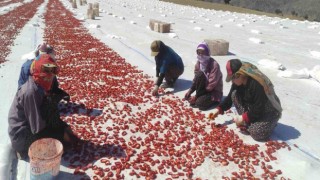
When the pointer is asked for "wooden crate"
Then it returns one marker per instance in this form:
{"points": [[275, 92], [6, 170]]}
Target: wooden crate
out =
{"points": [[96, 12], [152, 22], [159, 26], [90, 6], [164, 28], [96, 5], [218, 47], [90, 14], [74, 4]]}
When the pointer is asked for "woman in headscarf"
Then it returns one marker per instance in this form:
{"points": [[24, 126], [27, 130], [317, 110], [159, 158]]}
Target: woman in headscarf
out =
{"points": [[25, 70], [169, 65], [207, 81], [253, 96], [30, 116]]}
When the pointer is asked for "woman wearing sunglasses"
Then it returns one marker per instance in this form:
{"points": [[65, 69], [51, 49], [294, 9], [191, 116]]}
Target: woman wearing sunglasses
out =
{"points": [[253, 96], [207, 81]]}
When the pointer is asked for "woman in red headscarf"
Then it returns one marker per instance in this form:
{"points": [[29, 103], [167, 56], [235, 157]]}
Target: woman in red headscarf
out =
{"points": [[29, 113]]}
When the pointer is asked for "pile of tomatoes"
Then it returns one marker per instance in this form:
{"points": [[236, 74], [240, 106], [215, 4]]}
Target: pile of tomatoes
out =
{"points": [[129, 133], [12, 22]]}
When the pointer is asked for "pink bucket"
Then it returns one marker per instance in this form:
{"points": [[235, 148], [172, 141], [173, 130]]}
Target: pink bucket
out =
{"points": [[45, 157]]}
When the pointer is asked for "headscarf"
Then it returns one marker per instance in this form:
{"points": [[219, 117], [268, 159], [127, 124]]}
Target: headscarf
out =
{"points": [[45, 49], [252, 71], [43, 71], [203, 59]]}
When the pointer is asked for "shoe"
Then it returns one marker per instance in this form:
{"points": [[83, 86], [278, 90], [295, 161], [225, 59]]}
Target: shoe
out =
{"points": [[22, 156], [166, 85]]}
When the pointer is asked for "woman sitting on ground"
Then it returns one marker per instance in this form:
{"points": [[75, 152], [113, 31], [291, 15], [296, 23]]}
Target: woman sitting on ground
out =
{"points": [[207, 81], [253, 96]]}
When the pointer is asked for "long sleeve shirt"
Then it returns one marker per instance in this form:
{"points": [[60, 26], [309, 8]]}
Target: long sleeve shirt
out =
{"points": [[253, 100], [214, 82], [25, 113], [167, 58]]}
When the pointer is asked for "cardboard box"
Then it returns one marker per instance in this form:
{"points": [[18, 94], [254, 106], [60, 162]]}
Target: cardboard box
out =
{"points": [[159, 26], [90, 14], [164, 28], [218, 47]]}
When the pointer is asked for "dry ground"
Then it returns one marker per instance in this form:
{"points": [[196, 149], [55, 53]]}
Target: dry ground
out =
{"points": [[225, 7]]}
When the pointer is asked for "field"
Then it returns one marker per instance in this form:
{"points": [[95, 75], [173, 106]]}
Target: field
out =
{"points": [[225, 7]]}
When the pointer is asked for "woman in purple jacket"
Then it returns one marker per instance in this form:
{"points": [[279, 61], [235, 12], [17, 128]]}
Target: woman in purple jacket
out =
{"points": [[207, 81]]}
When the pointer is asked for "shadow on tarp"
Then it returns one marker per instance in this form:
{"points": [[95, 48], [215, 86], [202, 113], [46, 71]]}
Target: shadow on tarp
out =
{"points": [[87, 153], [70, 108], [285, 132], [181, 85], [211, 107], [230, 54]]}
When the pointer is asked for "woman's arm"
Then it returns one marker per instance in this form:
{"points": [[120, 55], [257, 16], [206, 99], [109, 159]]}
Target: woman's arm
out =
{"points": [[214, 76], [32, 101]]}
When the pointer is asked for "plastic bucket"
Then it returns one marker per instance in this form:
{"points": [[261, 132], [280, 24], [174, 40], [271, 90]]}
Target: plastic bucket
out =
{"points": [[45, 157]]}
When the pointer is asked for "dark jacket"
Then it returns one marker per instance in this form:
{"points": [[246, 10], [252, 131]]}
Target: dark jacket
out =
{"points": [[167, 57], [253, 98], [24, 115], [214, 82]]}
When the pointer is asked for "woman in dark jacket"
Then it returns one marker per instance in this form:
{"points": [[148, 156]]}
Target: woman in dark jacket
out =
{"points": [[253, 96], [207, 81], [169, 65], [32, 114]]}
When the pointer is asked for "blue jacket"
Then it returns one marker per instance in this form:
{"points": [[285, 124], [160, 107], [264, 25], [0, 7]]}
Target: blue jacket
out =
{"points": [[167, 57], [25, 72]]}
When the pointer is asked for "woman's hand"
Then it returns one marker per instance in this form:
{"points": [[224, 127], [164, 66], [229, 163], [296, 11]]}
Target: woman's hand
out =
{"points": [[192, 100], [213, 114], [187, 95], [155, 91], [238, 120]]}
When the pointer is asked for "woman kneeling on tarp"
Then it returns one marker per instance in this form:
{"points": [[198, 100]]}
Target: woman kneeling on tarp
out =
{"points": [[33, 115], [207, 81], [253, 96]]}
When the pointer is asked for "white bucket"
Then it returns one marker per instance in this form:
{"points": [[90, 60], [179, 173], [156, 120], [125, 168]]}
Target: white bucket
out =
{"points": [[45, 157]]}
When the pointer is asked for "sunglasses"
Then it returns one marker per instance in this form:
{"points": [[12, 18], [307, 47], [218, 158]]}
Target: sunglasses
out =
{"points": [[50, 69]]}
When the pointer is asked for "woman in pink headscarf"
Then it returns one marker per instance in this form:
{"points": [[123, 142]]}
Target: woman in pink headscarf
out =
{"points": [[207, 81]]}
